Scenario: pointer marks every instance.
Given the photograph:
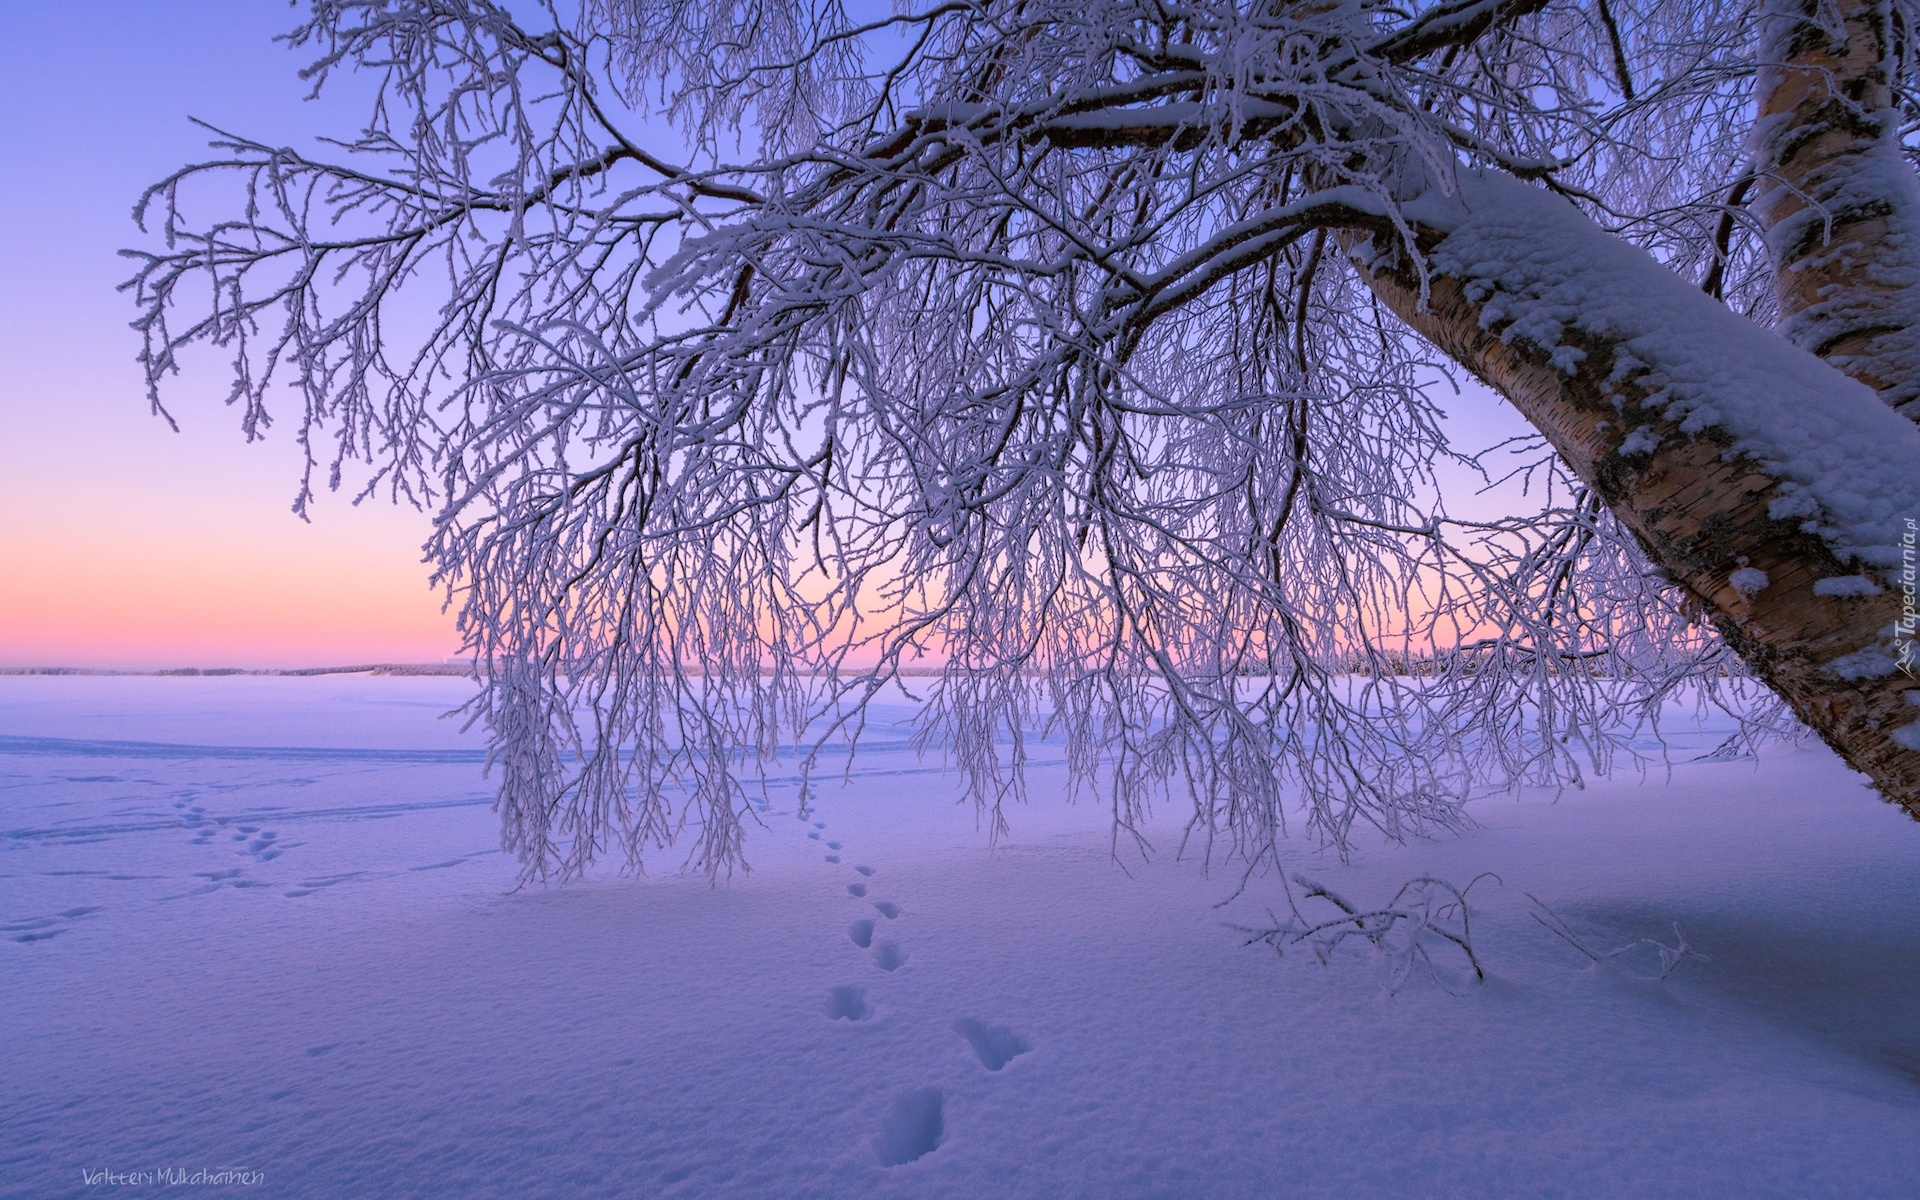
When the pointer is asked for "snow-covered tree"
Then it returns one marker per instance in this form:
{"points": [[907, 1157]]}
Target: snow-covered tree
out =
{"points": [[1088, 359]]}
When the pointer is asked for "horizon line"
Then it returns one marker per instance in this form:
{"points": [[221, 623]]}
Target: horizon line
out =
{"points": [[464, 667]]}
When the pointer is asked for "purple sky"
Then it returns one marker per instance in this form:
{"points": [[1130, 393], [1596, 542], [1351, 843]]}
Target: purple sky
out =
{"points": [[122, 543]]}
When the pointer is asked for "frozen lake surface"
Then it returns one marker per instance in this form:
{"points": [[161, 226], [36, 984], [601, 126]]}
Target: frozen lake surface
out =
{"points": [[261, 925]]}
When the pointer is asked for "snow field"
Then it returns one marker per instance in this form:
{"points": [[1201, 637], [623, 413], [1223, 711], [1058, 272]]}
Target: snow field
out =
{"points": [[225, 948]]}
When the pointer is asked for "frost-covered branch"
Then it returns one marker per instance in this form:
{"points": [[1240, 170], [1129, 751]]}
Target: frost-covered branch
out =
{"points": [[1424, 916], [1670, 957], [756, 359]]}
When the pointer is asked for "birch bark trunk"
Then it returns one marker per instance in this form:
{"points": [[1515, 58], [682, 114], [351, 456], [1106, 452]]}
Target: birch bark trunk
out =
{"points": [[1701, 510], [1836, 197]]}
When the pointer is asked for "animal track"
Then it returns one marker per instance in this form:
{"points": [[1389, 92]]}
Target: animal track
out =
{"points": [[856, 889], [864, 870], [848, 1003], [888, 956], [36, 929], [833, 845], [309, 886], [886, 908], [912, 1130], [815, 835], [454, 862], [996, 1045], [861, 932]]}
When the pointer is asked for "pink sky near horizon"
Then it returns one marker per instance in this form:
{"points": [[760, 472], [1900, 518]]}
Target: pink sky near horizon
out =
{"points": [[122, 543]]}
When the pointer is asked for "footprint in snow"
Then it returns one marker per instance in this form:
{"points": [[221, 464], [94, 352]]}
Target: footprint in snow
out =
{"points": [[39, 929], [864, 870], [833, 858], [995, 1045], [856, 889], [454, 862], [815, 835], [886, 908], [833, 845], [309, 886], [861, 932], [912, 1130], [888, 956], [848, 1003]]}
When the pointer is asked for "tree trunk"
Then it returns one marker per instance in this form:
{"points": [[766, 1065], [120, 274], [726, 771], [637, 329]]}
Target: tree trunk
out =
{"points": [[1712, 506], [1839, 204]]}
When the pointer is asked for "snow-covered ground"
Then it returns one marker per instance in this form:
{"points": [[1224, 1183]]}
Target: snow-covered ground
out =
{"points": [[260, 925]]}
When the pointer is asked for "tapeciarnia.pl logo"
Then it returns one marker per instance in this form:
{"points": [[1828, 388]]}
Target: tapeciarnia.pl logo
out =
{"points": [[1909, 619]]}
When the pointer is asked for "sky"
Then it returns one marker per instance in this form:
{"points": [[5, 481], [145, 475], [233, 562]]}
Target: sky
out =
{"points": [[122, 543]]}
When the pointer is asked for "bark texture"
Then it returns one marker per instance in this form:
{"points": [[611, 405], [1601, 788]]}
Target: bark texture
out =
{"points": [[1839, 204], [1702, 516]]}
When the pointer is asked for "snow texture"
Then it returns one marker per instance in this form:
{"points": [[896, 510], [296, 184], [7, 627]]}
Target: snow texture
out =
{"points": [[1543, 270], [1642, 440], [1846, 585], [1871, 663], [259, 925], [1749, 581]]}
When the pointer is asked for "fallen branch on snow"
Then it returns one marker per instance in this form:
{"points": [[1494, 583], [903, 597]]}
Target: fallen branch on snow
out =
{"points": [[1670, 956], [1424, 916]]}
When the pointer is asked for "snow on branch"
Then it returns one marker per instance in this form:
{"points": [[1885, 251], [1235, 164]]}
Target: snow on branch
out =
{"points": [[752, 357]]}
